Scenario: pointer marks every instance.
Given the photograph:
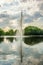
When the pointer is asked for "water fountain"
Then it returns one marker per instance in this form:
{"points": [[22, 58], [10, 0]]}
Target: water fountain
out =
{"points": [[20, 37]]}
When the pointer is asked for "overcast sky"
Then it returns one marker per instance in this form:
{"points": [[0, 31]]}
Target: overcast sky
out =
{"points": [[10, 11]]}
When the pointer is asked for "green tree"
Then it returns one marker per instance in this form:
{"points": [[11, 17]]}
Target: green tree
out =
{"points": [[32, 30], [1, 32], [10, 32]]}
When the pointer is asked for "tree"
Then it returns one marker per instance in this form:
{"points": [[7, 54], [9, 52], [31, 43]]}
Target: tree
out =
{"points": [[1, 32], [32, 30], [10, 32]]}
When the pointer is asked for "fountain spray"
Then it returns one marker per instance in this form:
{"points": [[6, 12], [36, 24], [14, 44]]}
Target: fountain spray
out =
{"points": [[21, 36]]}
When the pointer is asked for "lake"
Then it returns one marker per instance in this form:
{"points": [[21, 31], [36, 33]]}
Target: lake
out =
{"points": [[32, 51]]}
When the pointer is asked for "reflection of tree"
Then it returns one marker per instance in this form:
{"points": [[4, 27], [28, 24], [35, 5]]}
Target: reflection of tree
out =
{"points": [[1, 40], [33, 40], [10, 39], [40, 63]]}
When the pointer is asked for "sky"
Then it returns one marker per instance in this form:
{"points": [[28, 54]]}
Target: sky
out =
{"points": [[10, 13]]}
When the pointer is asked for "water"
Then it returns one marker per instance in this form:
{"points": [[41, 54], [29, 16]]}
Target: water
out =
{"points": [[32, 53], [9, 54]]}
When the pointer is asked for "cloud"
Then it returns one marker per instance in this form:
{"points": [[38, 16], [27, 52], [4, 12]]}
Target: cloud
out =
{"points": [[13, 23], [30, 18], [20, 5], [8, 0], [4, 16], [24, 1], [38, 22], [4, 23], [10, 10], [8, 16], [1, 20], [41, 8], [37, 15], [4, 1]]}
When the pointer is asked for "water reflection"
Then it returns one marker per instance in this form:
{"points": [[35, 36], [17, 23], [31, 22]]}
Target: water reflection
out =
{"points": [[9, 54], [1, 39], [33, 40], [10, 39], [32, 48], [33, 51], [27, 40]]}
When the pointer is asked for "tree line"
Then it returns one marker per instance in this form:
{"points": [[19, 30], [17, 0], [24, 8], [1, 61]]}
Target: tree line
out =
{"points": [[9, 32], [29, 30]]}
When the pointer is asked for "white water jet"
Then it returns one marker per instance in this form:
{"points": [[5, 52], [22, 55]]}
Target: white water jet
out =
{"points": [[20, 38]]}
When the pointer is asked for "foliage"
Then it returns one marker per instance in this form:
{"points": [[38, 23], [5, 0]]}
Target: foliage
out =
{"points": [[32, 30], [10, 32], [1, 32]]}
